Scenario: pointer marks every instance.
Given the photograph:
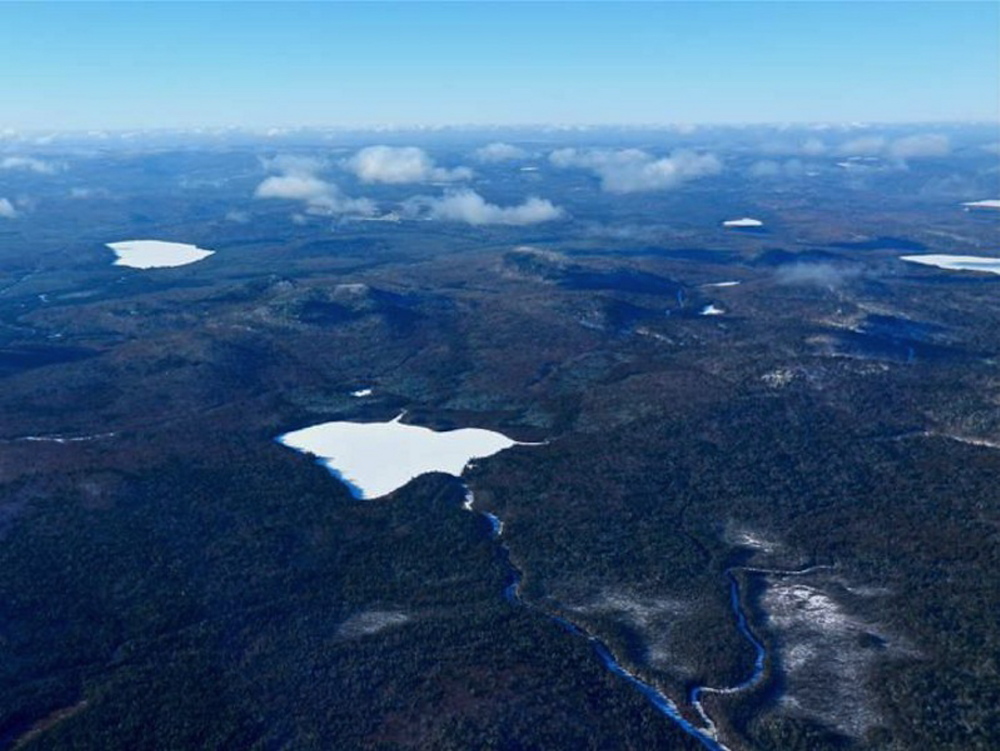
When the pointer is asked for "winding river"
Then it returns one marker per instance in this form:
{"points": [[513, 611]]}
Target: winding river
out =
{"points": [[707, 733]]}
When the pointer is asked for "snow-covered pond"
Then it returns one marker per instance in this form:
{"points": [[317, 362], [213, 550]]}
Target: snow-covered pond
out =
{"points": [[156, 254], [376, 458], [958, 263], [744, 222], [989, 203]]}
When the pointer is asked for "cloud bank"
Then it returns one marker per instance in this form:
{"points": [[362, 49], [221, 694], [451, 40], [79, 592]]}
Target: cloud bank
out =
{"points": [[471, 208], [29, 164], [400, 164], [499, 152], [863, 146], [298, 182], [917, 146], [634, 170]]}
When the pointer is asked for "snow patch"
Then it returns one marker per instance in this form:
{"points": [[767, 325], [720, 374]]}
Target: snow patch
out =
{"points": [[826, 656], [371, 622], [779, 378]]}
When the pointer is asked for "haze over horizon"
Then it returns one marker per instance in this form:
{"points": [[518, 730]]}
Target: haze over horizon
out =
{"points": [[121, 66]]}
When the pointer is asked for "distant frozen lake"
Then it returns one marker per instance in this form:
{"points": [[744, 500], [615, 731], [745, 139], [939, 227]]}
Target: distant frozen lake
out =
{"points": [[376, 458], [958, 263], [156, 254], [744, 222], [989, 203]]}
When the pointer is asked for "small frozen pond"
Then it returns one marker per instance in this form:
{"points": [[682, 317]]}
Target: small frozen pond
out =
{"points": [[156, 254], [989, 203], [958, 263], [744, 222], [376, 458]]}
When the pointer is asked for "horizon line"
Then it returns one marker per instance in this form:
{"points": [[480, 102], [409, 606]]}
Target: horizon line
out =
{"points": [[12, 132]]}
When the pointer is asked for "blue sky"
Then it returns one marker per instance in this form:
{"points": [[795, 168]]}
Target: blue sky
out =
{"points": [[122, 65]]}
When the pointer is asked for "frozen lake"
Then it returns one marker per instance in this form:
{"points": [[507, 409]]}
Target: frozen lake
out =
{"points": [[156, 254], [989, 203], [744, 222], [958, 263], [376, 458]]}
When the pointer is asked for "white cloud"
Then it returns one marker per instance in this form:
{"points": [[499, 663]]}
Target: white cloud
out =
{"points": [[863, 146], [239, 217], [468, 206], [299, 183], [765, 168], [400, 164], [7, 210], [632, 170], [30, 164], [499, 152], [923, 145], [813, 147], [908, 147], [292, 187]]}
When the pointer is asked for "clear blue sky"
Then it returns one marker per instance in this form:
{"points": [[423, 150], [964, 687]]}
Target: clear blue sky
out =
{"points": [[120, 66]]}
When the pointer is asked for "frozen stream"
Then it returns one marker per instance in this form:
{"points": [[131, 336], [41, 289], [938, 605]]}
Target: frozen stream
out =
{"points": [[706, 732]]}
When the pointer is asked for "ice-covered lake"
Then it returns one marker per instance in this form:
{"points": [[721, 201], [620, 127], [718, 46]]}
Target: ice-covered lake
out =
{"points": [[376, 458], [156, 254], [958, 263], [745, 222], [989, 203]]}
